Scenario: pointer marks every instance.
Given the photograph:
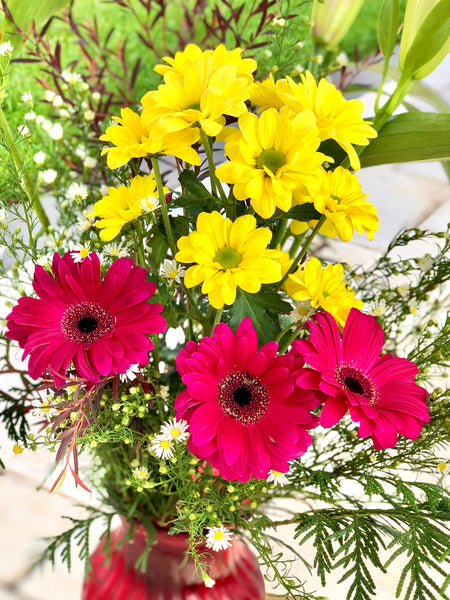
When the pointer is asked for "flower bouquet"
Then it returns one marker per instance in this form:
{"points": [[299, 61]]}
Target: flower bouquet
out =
{"points": [[192, 341]]}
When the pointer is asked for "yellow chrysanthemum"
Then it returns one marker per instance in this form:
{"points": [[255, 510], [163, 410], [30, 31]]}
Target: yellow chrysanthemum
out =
{"points": [[270, 156], [342, 201], [324, 287], [134, 137], [337, 118], [125, 204], [228, 255], [220, 57], [199, 89]]}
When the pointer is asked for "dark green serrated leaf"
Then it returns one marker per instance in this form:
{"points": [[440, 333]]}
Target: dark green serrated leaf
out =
{"points": [[410, 137], [304, 212], [255, 307]]}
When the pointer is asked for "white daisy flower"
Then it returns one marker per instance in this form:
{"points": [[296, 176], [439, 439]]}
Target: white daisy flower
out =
{"points": [[130, 373], [49, 95], [27, 98], [218, 538], [23, 130], [164, 392], [425, 262], [208, 581], [30, 116], [48, 176], [149, 204], [77, 192], [176, 430], [402, 290], [117, 250], [378, 308], [56, 132], [172, 271], [6, 49], [161, 446], [80, 252], [70, 78], [89, 115], [57, 101], [302, 311], [444, 468], [140, 473], [277, 478], [39, 157], [42, 409], [89, 162]]}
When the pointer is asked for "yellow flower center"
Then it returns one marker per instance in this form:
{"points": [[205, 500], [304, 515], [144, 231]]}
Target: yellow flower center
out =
{"points": [[218, 535], [442, 466], [271, 159], [84, 252], [175, 432], [173, 274], [228, 258], [165, 444]]}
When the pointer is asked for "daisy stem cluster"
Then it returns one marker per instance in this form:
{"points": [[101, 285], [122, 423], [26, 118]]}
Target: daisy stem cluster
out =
{"points": [[21, 169]]}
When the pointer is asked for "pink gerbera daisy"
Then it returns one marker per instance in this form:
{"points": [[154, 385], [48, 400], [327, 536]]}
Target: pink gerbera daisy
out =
{"points": [[379, 391], [99, 326], [245, 412]]}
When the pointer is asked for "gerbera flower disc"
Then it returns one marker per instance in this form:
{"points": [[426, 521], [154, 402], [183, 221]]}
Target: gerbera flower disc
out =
{"points": [[101, 326], [379, 391], [245, 412]]}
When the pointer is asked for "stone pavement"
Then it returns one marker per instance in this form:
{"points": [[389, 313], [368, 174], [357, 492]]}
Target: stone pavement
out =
{"points": [[405, 195]]}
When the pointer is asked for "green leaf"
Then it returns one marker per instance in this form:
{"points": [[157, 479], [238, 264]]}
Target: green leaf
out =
{"points": [[429, 40], [410, 137], [257, 306], [25, 13], [304, 212], [388, 27], [189, 181]]}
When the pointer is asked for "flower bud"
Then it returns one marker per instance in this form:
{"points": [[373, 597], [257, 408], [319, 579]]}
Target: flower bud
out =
{"points": [[425, 21], [332, 19]]}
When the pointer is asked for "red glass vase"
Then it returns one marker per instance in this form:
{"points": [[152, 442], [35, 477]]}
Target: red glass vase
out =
{"points": [[170, 574]]}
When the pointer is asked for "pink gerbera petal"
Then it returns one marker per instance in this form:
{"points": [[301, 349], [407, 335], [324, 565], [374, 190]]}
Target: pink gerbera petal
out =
{"points": [[74, 322]]}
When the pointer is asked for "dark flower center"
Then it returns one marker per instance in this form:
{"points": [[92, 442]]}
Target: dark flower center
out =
{"points": [[243, 397], [354, 385], [354, 380], [86, 322]]}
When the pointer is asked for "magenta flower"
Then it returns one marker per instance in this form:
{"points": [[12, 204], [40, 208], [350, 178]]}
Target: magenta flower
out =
{"points": [[99, 326], [379, 391], [245, 412]]}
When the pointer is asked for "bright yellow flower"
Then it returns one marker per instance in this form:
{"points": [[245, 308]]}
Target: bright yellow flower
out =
{"points": [[342, 201], [199, 89], [337, 118], [324, 287], [125, 204], [133, 137], [220, 57], [228, 255], [270, 156]]}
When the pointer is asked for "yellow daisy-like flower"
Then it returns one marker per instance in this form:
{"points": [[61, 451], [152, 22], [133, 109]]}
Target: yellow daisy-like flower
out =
{"points": [[337, 118], [125, 204], [342, 201], [270, 156], [220, 57], [135, 137], [228, 255], [198, 91], [324, 287]]}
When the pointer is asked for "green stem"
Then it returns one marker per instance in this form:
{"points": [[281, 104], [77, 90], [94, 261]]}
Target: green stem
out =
{"points": [[162, 200], [216, 186], [304, 250], [140, 246], [26, 182]]}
